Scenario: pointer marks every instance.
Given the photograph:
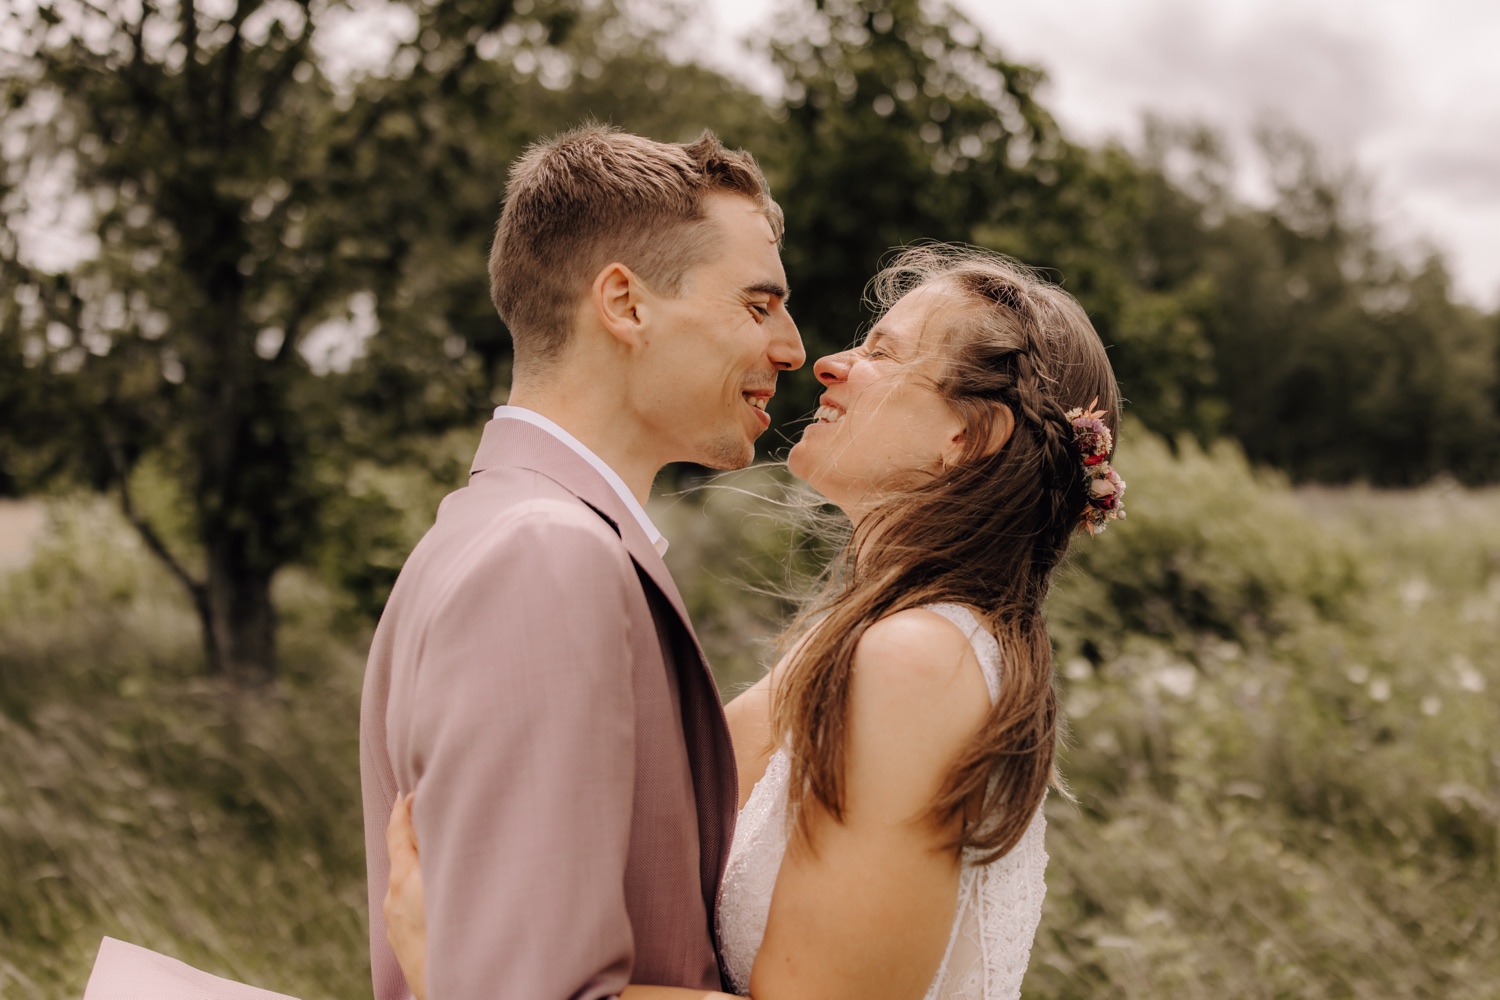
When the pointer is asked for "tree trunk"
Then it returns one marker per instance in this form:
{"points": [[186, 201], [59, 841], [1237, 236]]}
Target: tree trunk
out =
{"points": [[242, 472], [240, 621]]}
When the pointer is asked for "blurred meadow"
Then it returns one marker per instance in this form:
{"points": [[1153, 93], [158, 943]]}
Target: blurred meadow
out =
{"points": [[227, 416]]}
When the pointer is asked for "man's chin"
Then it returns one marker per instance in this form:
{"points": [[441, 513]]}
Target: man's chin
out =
{"points": [[727, 455]]}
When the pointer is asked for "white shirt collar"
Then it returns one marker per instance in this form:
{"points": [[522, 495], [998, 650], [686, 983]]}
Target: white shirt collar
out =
{"points": [[582, 451]]}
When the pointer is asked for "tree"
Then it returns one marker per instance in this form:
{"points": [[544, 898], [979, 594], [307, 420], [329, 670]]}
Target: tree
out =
{"points": [[1290, 327], [904, 123], [900, 124], [1338, 360], [242, 201], [288, 306]]}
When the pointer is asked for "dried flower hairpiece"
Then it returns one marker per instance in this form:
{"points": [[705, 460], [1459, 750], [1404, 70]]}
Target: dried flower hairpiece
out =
{"points": [[1093, 442]]}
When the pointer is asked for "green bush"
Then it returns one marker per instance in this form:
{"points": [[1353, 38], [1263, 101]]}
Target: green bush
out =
{"points": [[139, 800], [1281, 704]]}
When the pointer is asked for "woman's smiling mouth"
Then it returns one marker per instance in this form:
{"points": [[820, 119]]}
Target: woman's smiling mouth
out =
{"points": [[828, 412]]}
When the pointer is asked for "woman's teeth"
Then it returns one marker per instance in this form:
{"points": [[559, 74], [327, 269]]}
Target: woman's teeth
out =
{"points": [[829, 414]]}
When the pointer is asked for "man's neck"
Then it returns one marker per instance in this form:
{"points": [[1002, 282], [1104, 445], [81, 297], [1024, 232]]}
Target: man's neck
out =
{"points": [[601, 429]]}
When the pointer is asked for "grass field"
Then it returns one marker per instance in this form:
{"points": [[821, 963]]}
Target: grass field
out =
{"points": [[1282, 706]]}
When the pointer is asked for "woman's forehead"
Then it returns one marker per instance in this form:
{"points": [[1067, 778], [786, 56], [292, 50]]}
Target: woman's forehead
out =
{"points": [[919, 314]]}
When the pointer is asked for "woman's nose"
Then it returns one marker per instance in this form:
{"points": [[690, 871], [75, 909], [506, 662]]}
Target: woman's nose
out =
{"points": [[833, 368]]}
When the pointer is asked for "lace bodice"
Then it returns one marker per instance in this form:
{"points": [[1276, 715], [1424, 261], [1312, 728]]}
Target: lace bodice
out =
{"points": [[998, 908]]}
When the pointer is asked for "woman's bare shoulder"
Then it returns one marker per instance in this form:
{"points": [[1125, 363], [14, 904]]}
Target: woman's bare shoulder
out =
{"points": [[918, 697], [917, 652]]}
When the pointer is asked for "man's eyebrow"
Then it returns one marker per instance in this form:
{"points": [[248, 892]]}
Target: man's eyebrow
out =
{"points": [[775, 288]]}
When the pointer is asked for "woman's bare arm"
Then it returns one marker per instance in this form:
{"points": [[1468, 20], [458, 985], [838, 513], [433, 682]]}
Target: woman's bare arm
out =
{"points": [[865, 912], [749, 718], [404, 907]]}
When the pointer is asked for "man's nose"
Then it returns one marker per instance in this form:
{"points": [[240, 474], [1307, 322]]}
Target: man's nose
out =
{"points": [[833, 368], [786, 350]]}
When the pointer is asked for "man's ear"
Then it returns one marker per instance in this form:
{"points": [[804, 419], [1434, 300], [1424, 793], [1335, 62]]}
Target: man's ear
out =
{"points": [[616, 296], [1002, 426]]}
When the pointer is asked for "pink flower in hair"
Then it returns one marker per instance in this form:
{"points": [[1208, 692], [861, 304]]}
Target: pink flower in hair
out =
{"points": [[1093, 442]]}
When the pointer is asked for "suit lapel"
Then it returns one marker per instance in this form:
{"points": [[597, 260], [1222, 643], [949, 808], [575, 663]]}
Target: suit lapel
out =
{"points": [[520, 445], [517, 444]]}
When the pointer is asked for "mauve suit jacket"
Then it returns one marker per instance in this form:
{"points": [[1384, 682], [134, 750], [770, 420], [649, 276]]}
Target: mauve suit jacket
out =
{"points": [[536, 680]]}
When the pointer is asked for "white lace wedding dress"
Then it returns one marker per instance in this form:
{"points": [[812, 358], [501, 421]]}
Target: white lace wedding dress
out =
{"points": [[999, 904]]}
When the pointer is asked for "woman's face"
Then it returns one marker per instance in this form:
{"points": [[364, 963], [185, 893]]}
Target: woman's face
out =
{"points": [[881, 420]]}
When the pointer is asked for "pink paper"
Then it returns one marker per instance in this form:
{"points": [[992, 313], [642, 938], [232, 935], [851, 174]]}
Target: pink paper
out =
{"points": [[128, 972]]}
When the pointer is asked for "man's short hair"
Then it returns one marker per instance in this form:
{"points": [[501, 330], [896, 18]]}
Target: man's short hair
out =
{"points": [[593, 196]]}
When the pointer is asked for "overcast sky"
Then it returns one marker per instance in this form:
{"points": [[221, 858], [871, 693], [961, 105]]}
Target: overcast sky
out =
{"points": [[1406, 90]]}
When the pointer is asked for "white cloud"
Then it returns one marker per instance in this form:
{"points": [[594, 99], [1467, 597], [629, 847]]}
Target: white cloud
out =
{"points": [[1409, 93]]}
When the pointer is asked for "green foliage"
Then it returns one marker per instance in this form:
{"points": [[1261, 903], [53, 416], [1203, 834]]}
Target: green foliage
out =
{"points": [[1285, 788], [289, 300], [237, 205], [1279, 704], [1292, 328], [143, 801], [898, 126], [1221, 551], [1336, 361], [750, 547], [1279, 698], [379, 514]]}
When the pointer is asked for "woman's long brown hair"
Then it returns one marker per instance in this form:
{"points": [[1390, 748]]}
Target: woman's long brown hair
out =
{"points": [[987, 532]]}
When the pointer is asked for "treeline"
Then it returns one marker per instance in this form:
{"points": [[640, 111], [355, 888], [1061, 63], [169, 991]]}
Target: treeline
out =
{"points": [[288, 303], [1291, 328]]}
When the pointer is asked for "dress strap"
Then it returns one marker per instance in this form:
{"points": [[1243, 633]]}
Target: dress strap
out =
{"points": [[986, 648]]}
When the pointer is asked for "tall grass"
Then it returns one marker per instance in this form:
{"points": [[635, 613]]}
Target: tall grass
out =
{"points": [[1282, 709], [138, 800], [1282, 705]]}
